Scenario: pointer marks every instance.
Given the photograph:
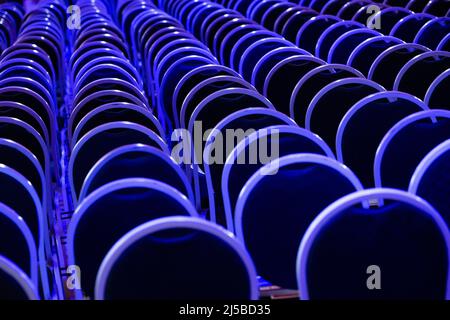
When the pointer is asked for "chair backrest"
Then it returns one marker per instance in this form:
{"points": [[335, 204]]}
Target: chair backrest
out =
{"points": [[15, 283], [268, 61], [282, 78], [136, 161], [342, 48], [437, 93], [309, 34], [214, 264], [431, 179], [292, 26], [223, 139], [17, 242], [227, 45], [271, 15], [244, 42], [331, 34], [363, 56], [19, 158], [113, 112], [101, 140], [376, 254], [204, 89], [113, 210], [390, 16], [432, 32], [444, 45], [218, 105], [311, 83], [256, 51], [252, 153], [274, 209], [407, 27], [364, 126], [438, 8], [329, 105], [18, 194], [171, 78], [406, 144], [192, 79], [426, 67], [97, 99]]}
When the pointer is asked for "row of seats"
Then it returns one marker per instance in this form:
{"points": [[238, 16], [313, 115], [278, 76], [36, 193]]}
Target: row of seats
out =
{"points": [[11, 15], [31, 70], [224, 28], [348, 9], [152, 221], [122, 175]]}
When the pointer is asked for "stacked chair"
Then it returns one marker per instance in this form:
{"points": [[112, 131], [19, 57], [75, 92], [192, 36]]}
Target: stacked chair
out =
{"points": [[337, 167]]}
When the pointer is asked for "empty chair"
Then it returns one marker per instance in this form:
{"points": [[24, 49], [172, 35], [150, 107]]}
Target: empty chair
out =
{"points": [[431, 179], [342, 48], [255, 52], [110, 212], [17, 243], [426, 67], [329, 105], [243, 43], [318, 4], [437, 8], [268, 61], [406, 144], [348, 10], [260, 148], [221, 142], [108, 84], [136, 161], [311, 83], [444, 45], [205, 88], [407, 27], [303, 185], [18, 194], [257, 11], [388, 64], [101, 140], [331, 34], [292, 26], [19, 158], [113, 112], [33, 100], [332, 7], [16, 285], [388, 17], [216, 106], [364, 126], [271, 15], [225, 272], [363, 56], [417, 5], [232, 37], [437, 94], [281, 80], [190, 80], [171, 79], [284, 17], [309, 34], [403, 239], [432, 32], [104, 70]]}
